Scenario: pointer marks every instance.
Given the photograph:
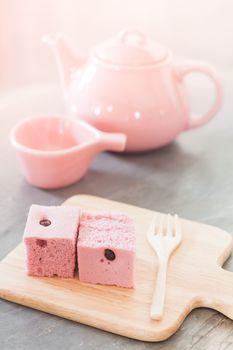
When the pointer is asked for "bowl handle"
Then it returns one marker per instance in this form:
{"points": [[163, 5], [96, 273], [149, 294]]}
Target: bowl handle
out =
{"points": [[188, 67], [112, 141]]}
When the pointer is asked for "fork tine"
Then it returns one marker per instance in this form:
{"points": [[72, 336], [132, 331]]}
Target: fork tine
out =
{"points": [[153, 223], [160, 226], [177, 231], [169, 225]]}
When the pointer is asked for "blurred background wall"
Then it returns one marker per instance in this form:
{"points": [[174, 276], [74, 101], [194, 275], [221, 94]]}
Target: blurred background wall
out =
{"points": [[200, 29]]}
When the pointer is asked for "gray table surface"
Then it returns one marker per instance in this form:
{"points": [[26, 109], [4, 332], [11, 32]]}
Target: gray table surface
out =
{"points": [[193, 177]]}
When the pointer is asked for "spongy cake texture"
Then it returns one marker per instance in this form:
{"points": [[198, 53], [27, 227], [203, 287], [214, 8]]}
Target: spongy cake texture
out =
{"points": [[106, 249], [51, 248]]}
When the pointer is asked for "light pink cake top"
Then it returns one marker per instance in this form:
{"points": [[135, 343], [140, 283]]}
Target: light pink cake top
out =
{"points": [[109, 230], [64, 222]]}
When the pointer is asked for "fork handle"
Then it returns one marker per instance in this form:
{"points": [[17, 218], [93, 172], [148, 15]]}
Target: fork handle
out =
{"points": [[157, 306]]}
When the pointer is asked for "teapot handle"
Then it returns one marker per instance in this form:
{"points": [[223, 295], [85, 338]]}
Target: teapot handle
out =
{"points": [[190, 67]]}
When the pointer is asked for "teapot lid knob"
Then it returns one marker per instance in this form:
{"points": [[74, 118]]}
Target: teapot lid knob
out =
{"points": [[131, 36], [129, 49]]}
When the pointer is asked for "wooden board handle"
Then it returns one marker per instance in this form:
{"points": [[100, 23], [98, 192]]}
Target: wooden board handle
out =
{"points": [[221, 298]]}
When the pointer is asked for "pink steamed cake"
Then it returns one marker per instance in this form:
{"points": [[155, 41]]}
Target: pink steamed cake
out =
{"points": [[50, 238], [106, 249]]}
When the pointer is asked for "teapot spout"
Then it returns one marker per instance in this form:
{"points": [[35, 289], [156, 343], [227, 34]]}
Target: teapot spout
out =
{"points": [[67, 60]]}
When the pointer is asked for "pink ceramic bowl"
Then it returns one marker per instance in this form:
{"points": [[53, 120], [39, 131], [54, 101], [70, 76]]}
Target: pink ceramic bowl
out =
{"points": [[55, 152]]}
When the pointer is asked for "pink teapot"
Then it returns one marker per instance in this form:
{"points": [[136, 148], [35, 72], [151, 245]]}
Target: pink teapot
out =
{"points": [[130, 84]]}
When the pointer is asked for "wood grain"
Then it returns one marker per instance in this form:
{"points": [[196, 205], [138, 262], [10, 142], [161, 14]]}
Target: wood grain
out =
{"points": [[195, 279]]}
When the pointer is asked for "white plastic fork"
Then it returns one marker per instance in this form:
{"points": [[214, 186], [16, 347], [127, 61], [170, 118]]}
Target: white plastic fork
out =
{"points": [[164, 239]]}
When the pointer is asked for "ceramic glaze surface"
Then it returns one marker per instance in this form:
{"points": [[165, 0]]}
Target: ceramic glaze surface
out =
{"points": [[48, 134], [55, 152], [116, 108], [132, 85]]}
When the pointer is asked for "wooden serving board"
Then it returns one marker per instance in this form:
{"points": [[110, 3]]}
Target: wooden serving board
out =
{"points": [[195, 279]]}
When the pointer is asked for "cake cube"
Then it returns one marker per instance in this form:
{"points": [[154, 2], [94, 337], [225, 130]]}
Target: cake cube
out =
{"points": [[50, 239], [106, 249]]}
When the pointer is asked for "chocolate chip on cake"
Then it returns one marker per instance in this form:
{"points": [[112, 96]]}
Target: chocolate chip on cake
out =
{"points": [[41, 243], [45, 222], [109, 254]]}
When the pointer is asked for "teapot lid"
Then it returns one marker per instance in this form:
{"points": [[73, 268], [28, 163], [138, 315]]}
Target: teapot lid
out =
{"points": [[132, 48]]}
